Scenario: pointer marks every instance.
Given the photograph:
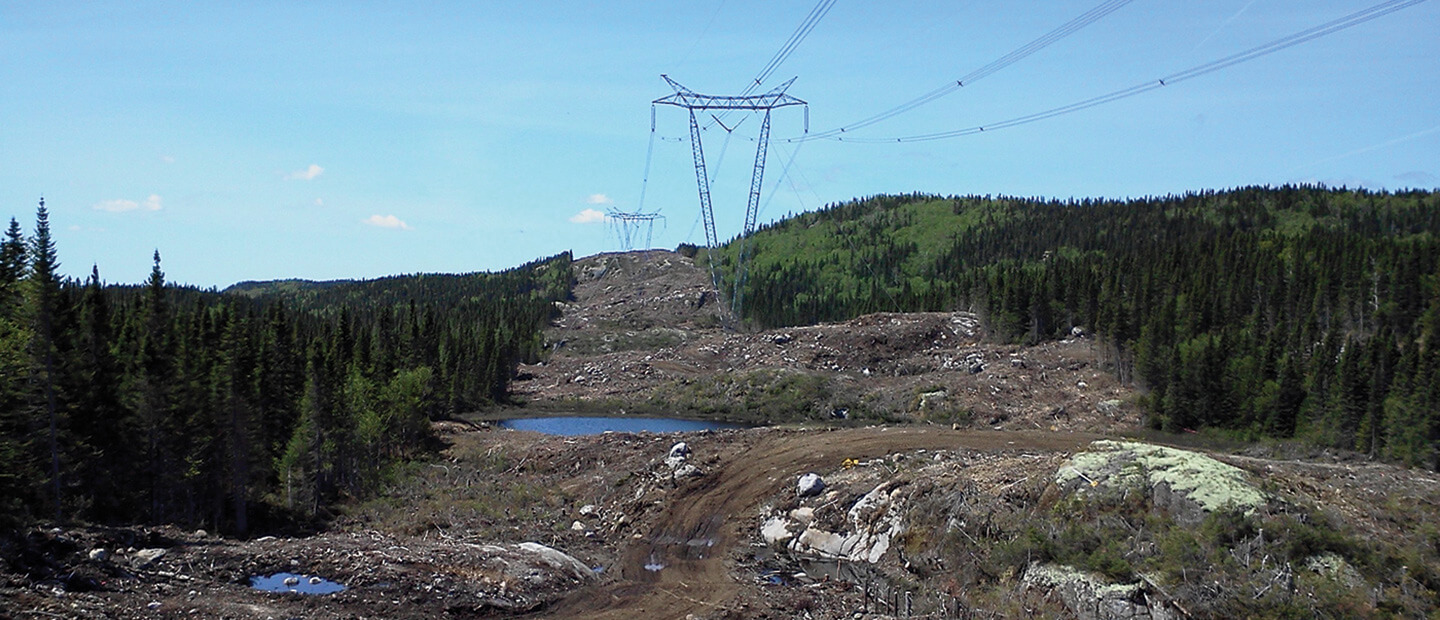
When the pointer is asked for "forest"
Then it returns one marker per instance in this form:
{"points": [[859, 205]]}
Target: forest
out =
{"points": [[1294, 312], [258, 407], [1298, 311]]}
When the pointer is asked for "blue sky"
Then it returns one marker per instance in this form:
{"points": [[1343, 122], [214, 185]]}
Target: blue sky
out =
{"points": [[325, 140]]}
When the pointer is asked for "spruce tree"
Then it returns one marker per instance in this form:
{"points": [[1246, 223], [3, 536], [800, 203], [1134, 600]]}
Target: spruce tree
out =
{"points": [[44, 290]]}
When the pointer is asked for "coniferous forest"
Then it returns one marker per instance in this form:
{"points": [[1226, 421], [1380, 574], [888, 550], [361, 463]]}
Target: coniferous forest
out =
{"points": [[1303, 312], [263, 404], [1269, 312]]}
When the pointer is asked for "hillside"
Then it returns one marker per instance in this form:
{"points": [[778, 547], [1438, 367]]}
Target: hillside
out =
{"points": [[643, 334], [1285, 312], [969, 469]]}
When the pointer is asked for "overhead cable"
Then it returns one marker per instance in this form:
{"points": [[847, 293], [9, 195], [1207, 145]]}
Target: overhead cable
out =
{"points": [[1331, 27], [1068, 28]]}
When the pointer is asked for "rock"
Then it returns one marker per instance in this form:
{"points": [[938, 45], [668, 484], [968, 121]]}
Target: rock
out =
{"points": [[803, 515], [146, 557], [930, 400], [776, 531], [558, 560], [1091, 597], [1187, 485], [577, 527], [292, 581], [1108, 407], [810, 485], [688, 471], [99, 555], [315, 581], [201, 533], [872, 522], [153, 605], [589, 510], [1077, 331], [680, 450]]}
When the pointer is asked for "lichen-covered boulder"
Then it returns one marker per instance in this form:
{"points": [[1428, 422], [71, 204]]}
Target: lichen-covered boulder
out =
{"points": [[1091, 597], [1187, 485]]}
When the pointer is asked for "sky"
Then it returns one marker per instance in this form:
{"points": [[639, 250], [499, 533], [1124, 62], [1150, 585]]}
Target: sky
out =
{"points": [[324, 140]]}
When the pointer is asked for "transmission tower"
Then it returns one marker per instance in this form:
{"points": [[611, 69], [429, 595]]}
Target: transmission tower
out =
{"points": [[628, 226], [693, 102]]}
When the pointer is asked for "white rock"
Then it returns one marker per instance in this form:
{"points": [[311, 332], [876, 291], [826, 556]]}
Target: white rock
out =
{"points": [[776, 531], [315, 581], [810, 485], [680, 449], [99, 555], [153, 605], [577, 527], [558, 559], [292, 581], [589, 510], [803, 515]]}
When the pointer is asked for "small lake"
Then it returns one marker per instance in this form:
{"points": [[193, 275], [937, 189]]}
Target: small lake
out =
{"points": [[586, 425]]}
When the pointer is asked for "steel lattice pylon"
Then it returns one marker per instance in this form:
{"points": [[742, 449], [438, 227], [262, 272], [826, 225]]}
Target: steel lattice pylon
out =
{"points": [[692, 101]]}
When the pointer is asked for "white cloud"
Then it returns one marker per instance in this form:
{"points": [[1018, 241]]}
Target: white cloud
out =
{"points": [[599, 199], [319, 202], [386, 221], [121, 205], [307, 174], [588, 216], [167, 159]]}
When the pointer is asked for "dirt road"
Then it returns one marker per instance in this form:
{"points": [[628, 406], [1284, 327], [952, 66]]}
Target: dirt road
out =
{"points": [[686, 552]]}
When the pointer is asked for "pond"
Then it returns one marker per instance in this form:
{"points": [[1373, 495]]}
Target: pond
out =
{"points": [[586, 425], [293, 582]]}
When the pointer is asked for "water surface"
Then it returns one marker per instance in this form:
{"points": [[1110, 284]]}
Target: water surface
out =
{"points": [[303, 584]]}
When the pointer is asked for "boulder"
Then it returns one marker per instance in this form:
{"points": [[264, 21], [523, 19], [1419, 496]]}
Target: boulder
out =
{"points": [[99, 555], [803, 515], [558, 560], [1091, 597], [146, 557], [931, 400], [1187, 485], [776, 531], [1108, 407], [810, 485], [680, 450]]}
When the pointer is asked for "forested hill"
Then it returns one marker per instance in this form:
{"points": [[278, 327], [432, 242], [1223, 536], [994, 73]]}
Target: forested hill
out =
{"points": [[166, 404], [1281, 311], [544, 278]]}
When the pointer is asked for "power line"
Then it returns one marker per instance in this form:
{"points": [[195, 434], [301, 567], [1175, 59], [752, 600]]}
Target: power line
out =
{"points": [[1331, 27], [802, 31], [1018, 54]]}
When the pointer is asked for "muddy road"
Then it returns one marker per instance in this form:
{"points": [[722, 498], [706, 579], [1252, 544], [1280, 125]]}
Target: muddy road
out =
{"points": [[683, 565]]}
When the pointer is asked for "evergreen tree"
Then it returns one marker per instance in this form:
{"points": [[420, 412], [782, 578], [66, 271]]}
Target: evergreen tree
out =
{"points": [[45, 300]]}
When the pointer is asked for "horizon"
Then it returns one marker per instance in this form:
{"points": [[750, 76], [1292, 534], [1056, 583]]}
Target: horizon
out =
{"points": [[273, 142]]}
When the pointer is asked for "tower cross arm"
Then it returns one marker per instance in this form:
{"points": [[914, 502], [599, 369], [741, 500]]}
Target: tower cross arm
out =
{"points": [[689, 99]]}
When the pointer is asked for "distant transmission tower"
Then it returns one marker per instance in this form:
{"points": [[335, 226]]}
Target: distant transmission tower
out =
{"points": [[628, 225], [693, 101]]}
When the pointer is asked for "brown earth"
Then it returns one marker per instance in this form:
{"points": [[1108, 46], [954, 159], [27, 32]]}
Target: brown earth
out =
{"points": [[661, 542], [644, 335]]}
